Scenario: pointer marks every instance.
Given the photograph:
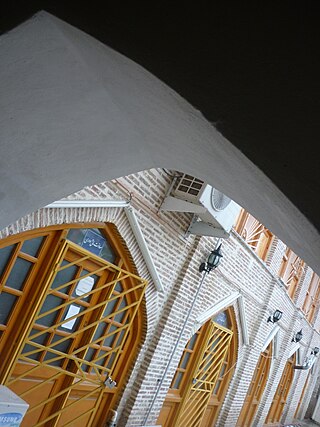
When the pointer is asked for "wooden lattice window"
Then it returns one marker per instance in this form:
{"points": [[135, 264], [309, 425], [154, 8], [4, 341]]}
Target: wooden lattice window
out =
{"points": [[291, 271], [202, 377], [72, 307], [255, 234], [256, 389], [312, 300], [281, 394]]}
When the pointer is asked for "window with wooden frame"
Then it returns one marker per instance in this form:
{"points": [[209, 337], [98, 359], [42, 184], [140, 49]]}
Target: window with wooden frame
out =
{"points": [[203, 375], [256, 389], [291, 271], [312, 300], [255, 234], [70, 301]]}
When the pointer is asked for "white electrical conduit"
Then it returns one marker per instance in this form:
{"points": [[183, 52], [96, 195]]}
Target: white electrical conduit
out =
{"points": [[133, 223]]}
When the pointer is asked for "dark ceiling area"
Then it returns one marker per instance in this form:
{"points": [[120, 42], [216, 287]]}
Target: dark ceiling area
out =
{"points": [[252, 70]]}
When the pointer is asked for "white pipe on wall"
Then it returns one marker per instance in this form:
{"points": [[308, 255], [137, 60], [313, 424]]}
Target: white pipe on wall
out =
{"points": [[136, 229]]}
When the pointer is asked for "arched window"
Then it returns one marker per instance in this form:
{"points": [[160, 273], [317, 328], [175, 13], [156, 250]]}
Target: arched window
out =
{"points": [[281, 394], [256, 389], [203, 375], [69, 301]]}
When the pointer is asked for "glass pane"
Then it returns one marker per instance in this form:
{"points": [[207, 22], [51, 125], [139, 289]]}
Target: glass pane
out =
{"points": [[102, 360], [63, 346], [41, 339], [118, 287], [100, 332], [120, 338], [222, 319], [178, 380], [120, 317], [216, 389], [19, 273], [50, 356], [185, 360], [110, 308], [92, 240], [89, 355], [192, 341], [32, 246], [7, 302], [5, 256], [50, 302], [64, 276], [111, 359], [109, 340]]}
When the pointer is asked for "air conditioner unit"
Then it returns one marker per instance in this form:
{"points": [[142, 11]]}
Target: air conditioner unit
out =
{"points": [[215, 212]]}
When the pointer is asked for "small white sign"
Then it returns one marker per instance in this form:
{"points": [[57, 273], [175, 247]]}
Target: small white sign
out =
{"points": [[72, 311], [84, 286]]}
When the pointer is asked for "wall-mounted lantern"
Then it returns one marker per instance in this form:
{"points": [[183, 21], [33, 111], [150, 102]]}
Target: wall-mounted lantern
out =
{"points": [[275, 317]]}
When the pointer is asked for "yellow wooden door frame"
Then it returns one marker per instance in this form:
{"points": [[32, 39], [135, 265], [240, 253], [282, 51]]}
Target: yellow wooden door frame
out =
{"points": [[27, 335]]}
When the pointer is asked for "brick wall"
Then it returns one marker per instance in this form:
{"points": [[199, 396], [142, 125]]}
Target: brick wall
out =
{"points": [[177, 257]]}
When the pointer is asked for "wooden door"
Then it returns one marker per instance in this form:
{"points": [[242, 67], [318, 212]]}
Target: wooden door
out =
{"points": [[75, 340], [302, 394], [281, 395], [256, 389], [202, 371]]}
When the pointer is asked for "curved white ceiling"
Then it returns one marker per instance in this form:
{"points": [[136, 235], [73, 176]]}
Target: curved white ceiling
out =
{"points": [[74, 113]]}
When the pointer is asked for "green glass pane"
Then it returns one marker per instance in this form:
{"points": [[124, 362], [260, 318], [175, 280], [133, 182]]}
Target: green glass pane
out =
{"points": [[7, 302], [93, 240], [5, 254], [19, 273], [64, 276], [32, 246]]}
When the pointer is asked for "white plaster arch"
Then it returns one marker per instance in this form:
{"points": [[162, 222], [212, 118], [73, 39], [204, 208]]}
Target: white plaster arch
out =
{"points": [[274, 337], [74, 113], [228, 301]]}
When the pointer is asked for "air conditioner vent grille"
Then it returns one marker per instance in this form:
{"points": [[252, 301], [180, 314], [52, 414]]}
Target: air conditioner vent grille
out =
{"points": [[219, 200], [190, 185]]}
